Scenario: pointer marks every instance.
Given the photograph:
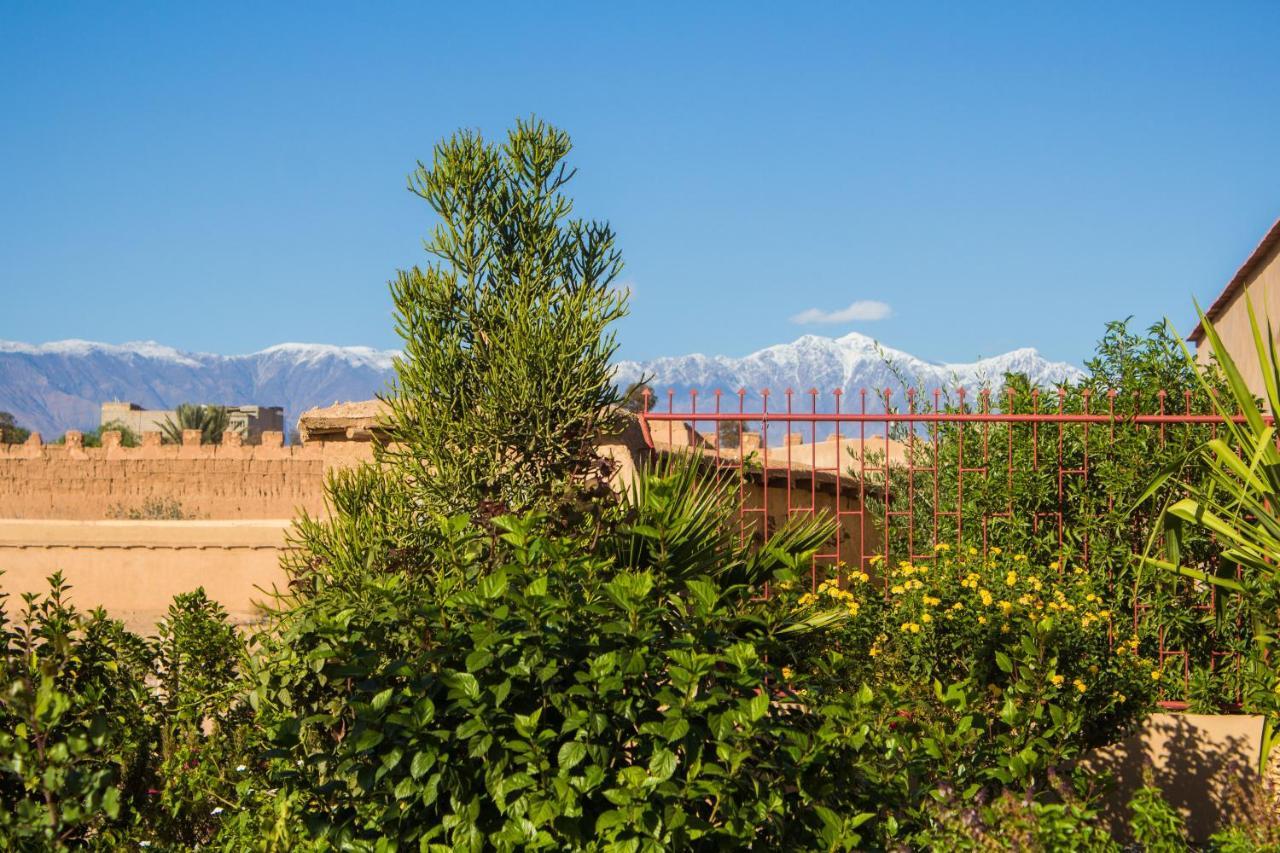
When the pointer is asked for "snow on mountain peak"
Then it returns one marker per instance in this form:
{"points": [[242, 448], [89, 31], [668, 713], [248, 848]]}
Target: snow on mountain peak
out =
{"points": [[61, 385]]}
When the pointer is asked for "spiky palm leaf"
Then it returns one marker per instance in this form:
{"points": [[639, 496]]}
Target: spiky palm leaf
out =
{"points": [[1238, 497], [683, 522], [212, 421]]}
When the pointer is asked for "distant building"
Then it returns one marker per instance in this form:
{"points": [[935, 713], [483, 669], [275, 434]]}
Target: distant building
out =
{"points": [[249, 421], [1259, 277]]}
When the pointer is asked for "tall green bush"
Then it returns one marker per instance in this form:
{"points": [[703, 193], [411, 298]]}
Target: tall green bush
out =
{"points": [[505, 378]]}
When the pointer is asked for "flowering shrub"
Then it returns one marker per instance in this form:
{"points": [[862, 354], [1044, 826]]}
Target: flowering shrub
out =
{"points": [[1034, 648]]}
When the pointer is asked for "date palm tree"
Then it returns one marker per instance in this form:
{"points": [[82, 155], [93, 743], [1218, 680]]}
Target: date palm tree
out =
{"points": [[212, 421]]}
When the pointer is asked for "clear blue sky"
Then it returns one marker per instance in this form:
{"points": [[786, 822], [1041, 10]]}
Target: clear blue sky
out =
{"points": [[223, 177]]}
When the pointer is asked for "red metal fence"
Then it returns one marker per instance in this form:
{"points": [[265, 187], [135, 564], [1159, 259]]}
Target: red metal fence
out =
{"points": [[1046, 473]]}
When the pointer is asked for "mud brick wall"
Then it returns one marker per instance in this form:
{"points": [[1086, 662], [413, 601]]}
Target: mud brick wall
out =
{"points": [[225, 481]]}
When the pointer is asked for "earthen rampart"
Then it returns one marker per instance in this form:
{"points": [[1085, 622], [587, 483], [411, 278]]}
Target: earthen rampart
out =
{"points": [[230, 480]]}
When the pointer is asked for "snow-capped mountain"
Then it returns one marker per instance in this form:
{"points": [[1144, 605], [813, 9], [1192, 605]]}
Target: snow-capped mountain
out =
{"points": [[851, 363], [58, 386]]}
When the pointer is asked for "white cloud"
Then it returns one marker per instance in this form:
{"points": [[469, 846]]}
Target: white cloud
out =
{"points": [[862, 309]]}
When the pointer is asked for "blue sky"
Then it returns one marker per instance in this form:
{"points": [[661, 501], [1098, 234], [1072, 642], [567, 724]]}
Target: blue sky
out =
{"points": [[223, 177]]}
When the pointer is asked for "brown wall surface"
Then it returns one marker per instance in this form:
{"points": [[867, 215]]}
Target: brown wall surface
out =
{"points": [[208, 481], [134, 568], [1232, 324]]}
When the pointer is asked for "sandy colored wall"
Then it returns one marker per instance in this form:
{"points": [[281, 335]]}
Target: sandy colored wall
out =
{"points": [[134, 568], [1200, 761], [208, 481], [1233, 323]]}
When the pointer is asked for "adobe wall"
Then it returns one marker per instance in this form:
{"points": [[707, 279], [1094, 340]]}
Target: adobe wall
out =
{"points": [[226, 481], [134, 568]]}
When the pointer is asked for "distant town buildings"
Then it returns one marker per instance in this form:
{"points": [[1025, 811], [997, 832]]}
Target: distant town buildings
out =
{"points": [[250, 421]]}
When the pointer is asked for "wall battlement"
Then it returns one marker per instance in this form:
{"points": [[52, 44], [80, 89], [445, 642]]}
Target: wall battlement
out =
{"points": [[231, 480]]}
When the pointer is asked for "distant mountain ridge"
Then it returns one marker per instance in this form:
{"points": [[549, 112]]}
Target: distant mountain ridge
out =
{"points": [[851, 363], [58, 386], [61, 385]]}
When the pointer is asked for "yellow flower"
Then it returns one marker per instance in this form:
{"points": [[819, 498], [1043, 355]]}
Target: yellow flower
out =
{"points": [[1019, 558], [875, 651], [1055, 565], [929, 600], [1036, 585], [987, 598], [1011, 579], [973, 552], [896, 589], [1105, 614], [1080, 685], [1091, 598], [959, 605], [854, 607], [996, 552], [1093, 669], [807, 599], [1155, 674], [786, 672], [926, 618], [1005, 607], [1004, 629], [942, 546], [862, 577], [1118, 696], [982, 620], [1057, 680]]}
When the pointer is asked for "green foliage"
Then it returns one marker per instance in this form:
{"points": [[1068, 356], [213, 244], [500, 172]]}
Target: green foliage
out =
{"points": [[530, 690], [152, 509], [107, 738], [1017, 504], [506, 377], [128, 438], [10, 432], [1010, 822], [1155, 825], [93, 438], [212, 421], [1026, 651], [209, 739], [1233, 496], [76, 725], [1252, 821]]}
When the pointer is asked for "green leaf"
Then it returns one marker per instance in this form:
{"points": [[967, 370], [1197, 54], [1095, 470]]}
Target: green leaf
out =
{"points": [[422, 762], [662, 765], [571, 754]]}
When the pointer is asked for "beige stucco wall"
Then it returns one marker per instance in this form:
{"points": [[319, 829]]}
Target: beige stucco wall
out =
{"points": [[134, 568], [1232, 324], [1198, 760]]}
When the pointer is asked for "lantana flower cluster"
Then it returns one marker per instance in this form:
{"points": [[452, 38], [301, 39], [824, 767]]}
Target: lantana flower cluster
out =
{"points": [[951, 615]]}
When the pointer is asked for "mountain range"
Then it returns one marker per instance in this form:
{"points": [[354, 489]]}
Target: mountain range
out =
{"points": [[58, 386]]}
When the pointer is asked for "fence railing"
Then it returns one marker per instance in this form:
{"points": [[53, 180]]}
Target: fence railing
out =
{"points": [[1052, 475]]}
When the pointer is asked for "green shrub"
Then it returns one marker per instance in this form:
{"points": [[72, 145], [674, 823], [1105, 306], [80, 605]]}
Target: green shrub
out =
{"points": [[1155, 825], [534, 689], [1012, 822], [77, 725], [1028, 646]]}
